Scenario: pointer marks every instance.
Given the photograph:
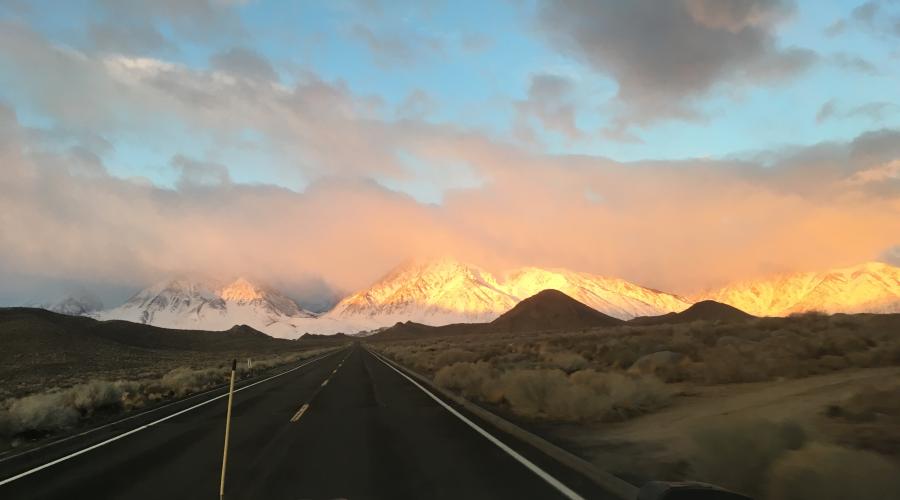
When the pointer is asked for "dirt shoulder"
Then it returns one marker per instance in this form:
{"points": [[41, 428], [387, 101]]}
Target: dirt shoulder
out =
{"points": [[656, 444]]}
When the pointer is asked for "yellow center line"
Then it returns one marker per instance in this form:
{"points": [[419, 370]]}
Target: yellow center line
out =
{"points": [[325, 383], [300, 412]]}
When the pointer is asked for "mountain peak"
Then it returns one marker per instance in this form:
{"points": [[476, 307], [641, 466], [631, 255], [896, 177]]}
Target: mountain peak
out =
{"points": [[241, 290], [551, 310], [202, 303], [78, 303]]}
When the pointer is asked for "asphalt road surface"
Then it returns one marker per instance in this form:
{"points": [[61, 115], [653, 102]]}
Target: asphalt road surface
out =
{"points": [[366, 432]]}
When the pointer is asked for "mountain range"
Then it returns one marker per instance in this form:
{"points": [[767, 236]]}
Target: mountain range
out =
{"points": [[873, 287], [206, 304], [446, 291]]}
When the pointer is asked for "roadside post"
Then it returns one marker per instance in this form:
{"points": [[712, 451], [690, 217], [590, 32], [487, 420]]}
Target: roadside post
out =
{"points": [[227, 429]]}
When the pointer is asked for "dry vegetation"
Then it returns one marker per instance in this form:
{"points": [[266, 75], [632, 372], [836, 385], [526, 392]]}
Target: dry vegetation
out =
{"points": [[591, 379], [779, 461], [56, 409]]}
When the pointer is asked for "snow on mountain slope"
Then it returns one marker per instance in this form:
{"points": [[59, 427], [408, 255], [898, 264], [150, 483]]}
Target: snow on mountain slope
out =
{"points": [[872, 287], [447, 291], [613, 296], [77, 304], [211, 305], [433, 293]]}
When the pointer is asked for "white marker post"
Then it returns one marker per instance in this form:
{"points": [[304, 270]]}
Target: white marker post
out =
{"points": [[227, 429]]}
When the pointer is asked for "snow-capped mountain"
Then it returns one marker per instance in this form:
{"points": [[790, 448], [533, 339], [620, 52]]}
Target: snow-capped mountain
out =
{"points": [[613, 296], [77, 304], [210, 305], [872, 287], [434, 293], [446, 291]]}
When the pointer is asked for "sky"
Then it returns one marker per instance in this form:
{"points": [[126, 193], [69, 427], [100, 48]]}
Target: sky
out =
{"points": [[315, 145]]}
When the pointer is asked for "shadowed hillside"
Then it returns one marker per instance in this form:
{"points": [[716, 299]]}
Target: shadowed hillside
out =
{"points": [[706, 310], [547, 310], [551, 310], [43, 348]]}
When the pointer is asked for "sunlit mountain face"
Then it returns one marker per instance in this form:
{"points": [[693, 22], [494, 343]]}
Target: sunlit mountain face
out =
{"points": [[445, 291], [873, 287]]}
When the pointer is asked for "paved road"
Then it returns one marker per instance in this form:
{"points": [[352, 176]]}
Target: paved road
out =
{"points": [[368, 432]]}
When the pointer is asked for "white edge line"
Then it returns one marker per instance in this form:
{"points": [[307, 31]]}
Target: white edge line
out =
{"points": [[556, 483], [145, 426]]}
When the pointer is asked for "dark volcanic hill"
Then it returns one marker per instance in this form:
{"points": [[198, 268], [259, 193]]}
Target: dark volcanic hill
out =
{"points": [[551, 310], [708, 310], [546, 310], [411, 330]]}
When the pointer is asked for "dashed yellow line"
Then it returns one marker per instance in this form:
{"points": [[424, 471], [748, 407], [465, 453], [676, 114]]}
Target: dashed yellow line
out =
{"points": [[300, 412], [305, 407]]}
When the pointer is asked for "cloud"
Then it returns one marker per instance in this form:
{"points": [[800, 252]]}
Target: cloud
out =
{"points": [[881, 18], [243, 62], [196, 20], [475, 42], [551, 102], [417, 105], [826, 111], [854, 63], [395, 49], [873, 111], [141, 38], [193, 173], [667, 55], [836, 28], [672, 225], [865, 12], [892, 255], [677, 225], [113, 94]]}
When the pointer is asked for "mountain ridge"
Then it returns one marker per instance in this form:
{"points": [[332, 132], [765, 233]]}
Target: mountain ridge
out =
{"points": [[446, 292], [869, 287]]}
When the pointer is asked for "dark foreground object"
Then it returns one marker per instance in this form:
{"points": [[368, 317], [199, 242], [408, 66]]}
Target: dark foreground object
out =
{"points": [[367, 433], [660, 490]]}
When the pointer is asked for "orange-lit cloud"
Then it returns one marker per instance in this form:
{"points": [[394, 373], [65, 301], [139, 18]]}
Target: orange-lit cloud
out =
{"points": [[678, 226]]}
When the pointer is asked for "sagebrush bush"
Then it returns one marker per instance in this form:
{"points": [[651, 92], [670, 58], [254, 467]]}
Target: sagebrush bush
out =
{"points": [[453, 355], [566, 361], [739, 455], [553, 394], [828, 472], [472, 380], [181, 381], [59, 409]]}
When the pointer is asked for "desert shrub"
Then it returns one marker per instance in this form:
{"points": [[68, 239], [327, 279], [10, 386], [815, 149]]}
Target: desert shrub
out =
{"points": [[472, 380], [453, 355], [182, 381], [871, 402], [727, 364], [739, 455], [549, 394], [37, 413], [542, 393], [827, 472], [567, 361], [627, 396], [870, 419], [59, 409]]}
